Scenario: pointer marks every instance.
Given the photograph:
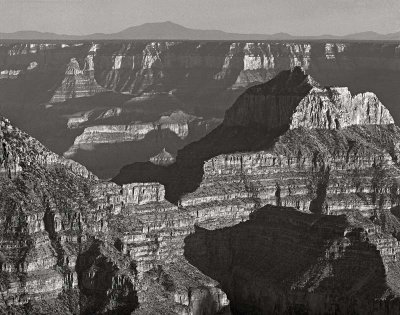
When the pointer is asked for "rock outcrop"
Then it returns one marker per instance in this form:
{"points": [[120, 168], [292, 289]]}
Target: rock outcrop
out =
{"points": [[78, 82], [271, 105], [164, 158], [319, 151], [17, 147], [121, 83], [178, 122], [322, 152], [301, 102], [71, 244], [338, 109], [137, 140], [325, 160]]}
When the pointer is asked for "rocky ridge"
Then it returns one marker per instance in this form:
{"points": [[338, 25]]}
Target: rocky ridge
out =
{"points": [[56, 99], [329, 143], [73, 244], [321, 108], [120, 247], [320, 151], [17, 147]]}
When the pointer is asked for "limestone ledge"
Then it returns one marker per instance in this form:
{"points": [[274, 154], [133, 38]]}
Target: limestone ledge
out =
{"points": [[358, 177], [181, 124]]}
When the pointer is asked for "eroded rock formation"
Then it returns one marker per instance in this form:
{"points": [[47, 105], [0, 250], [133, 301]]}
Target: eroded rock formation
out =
{"points": [[163, 158], [319, 151], [78, 82], [137, 140], [58, 92], [326, 160], [71, 244], [333, 150], [179, 123]]}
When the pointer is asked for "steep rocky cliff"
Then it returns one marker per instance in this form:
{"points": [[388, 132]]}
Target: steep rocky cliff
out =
{"points": [[320, 151], [324, 150], [297, 214], [71, 244], [57, 90], [78, 82]]}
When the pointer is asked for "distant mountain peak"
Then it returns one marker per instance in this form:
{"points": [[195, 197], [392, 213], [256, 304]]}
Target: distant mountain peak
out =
{"points": [[173, 31]]}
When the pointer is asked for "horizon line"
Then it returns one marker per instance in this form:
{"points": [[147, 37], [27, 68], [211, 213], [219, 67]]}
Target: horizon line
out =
{"points": [[201, 29]]}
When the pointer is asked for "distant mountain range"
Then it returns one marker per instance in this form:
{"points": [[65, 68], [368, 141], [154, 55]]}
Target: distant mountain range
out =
{"points": [[173, 31]]}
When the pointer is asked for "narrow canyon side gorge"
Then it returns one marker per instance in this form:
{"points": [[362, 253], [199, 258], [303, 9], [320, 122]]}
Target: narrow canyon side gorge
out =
{"points": [[88, 100]]}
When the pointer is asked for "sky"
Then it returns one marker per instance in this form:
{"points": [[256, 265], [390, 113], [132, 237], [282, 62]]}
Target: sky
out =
{"points": [[297, 17]]}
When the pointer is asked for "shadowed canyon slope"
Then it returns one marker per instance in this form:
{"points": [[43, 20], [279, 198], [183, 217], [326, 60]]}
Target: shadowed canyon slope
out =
{"points": [[283, 261], [290, 215], [91, 100], [288, 121], [330, 156]]}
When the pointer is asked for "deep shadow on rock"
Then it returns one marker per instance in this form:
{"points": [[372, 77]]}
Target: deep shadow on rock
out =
{"points": [[186, 173], [104, 289], [259, 116], [283, 261]]}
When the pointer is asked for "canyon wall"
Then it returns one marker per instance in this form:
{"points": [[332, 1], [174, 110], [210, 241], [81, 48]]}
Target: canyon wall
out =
{"points": [[60, 91], [318, 158], [323, 153], [72, 244], [328, 162]]}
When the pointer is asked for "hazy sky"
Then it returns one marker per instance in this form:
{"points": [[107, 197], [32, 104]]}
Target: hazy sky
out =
{"points": [[298, 17]]}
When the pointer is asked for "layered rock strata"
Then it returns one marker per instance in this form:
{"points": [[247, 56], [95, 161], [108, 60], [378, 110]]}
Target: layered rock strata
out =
{"points": [[338, 152], [78, 82], [319, 151], [137, 67], [239, 63], [136, 140], [180, 123], [307, 142], [73, 244], [17, 147], [56, 99]]}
